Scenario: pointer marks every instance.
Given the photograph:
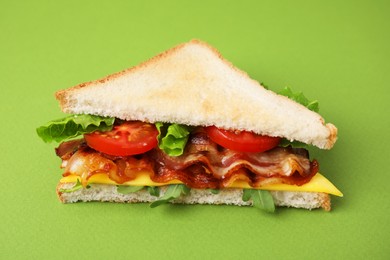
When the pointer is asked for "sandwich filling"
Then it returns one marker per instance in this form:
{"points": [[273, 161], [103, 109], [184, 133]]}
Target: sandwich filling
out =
{"points": [[203, 164]]}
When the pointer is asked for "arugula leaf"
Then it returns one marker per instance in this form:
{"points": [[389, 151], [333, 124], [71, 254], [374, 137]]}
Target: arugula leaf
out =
{"points": [[173, 192], [295, 144], [214, 191], [154, 191], [77, 186], [262, 199], [264, 85], [172, 138], [128, 189], [300, 98], [246, 195], [73, 126]]}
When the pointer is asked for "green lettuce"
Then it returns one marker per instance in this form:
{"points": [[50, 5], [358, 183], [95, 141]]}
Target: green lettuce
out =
{"points": [[174, 191], [262, 199], [300, 98], [73, 126], [172, 138]]}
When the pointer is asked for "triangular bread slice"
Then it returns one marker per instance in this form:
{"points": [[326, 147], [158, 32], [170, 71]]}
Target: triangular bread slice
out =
{"points": [[192, 84]]}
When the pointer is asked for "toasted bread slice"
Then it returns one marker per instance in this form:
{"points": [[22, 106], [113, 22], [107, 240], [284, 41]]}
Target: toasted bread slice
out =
{"points": [[192, 84], [231, 196]]}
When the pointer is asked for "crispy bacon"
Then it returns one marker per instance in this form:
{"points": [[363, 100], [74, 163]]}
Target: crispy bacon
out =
{"points": [[204, 164], [66, 149], [87, 162]]}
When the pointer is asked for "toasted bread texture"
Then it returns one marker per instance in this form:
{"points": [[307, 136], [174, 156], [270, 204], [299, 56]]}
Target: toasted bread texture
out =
{"points": [[193, 84], [231, 196]]}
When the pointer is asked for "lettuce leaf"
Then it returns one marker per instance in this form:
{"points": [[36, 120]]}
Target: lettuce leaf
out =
{"points": [[172, 138], [73, 126], [262, 199], [173, 192], [300, 98]]}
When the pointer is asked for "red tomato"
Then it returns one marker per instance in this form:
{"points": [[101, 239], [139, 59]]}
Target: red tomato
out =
{"points": [[126, 139], [242, 141]]}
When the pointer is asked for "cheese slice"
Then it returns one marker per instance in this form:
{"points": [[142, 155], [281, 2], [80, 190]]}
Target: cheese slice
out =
{"points": [[317, 184]]}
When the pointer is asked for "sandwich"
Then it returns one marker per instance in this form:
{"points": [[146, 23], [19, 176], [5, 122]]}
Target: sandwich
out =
{"points": [[187, 126]]}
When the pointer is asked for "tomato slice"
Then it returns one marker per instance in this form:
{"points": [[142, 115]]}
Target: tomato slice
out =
{"points": [[242, 141], [129, 138]]}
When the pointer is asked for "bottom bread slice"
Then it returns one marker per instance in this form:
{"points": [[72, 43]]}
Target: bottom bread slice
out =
{"points": [[230, 196]]}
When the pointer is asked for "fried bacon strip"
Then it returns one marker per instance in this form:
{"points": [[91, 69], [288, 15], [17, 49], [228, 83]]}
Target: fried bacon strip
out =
{"points": [[204, 164]]}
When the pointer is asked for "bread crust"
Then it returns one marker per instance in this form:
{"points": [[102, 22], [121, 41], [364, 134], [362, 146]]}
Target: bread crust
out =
{"points": [[193, 84], [61, 94], [231, 196], [332, 136]]}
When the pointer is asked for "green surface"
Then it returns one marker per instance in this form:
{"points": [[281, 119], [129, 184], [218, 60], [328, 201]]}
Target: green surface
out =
{"points": [[335, 51]]}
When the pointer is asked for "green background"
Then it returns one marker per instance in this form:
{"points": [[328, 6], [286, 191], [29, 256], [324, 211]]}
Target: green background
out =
{"points": [[334, 51]]}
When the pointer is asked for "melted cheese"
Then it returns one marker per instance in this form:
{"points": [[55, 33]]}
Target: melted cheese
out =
{"points": [[317, 184]]}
